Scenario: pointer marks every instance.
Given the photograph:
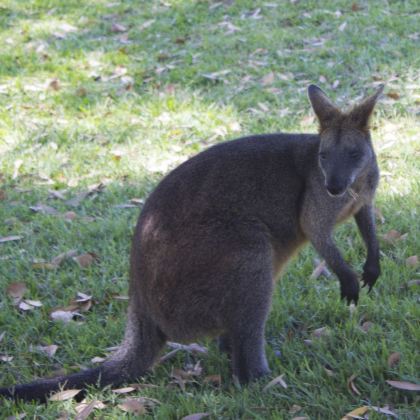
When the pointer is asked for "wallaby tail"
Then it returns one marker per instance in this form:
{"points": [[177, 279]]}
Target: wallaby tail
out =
{"points": [[142, 343]]}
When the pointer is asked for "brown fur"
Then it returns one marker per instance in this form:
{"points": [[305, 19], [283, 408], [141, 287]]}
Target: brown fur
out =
{"points": [[217, 231]]}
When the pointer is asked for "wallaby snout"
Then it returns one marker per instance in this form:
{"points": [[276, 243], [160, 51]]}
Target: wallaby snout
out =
{"points": [[335, 188]]}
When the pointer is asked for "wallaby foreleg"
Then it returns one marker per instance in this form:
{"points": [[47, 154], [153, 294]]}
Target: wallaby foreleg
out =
{"points": [[365, 220], [324, 244]]}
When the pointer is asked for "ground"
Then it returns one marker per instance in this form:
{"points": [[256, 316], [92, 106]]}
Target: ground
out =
{"points": [[99, 99]]}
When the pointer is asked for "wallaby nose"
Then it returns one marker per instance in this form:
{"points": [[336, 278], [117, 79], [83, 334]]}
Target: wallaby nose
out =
{"points": [[335, 189]]}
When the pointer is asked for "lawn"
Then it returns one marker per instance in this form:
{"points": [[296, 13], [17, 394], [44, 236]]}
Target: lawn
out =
{"points": [[99, 99]]}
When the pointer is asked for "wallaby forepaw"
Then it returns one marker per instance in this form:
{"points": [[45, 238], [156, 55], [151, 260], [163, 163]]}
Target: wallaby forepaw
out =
{"points": [[370, 275], [350, 291]]}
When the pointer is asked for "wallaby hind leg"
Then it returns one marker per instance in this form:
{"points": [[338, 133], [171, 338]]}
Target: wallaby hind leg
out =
{"points": [[246, 336]]}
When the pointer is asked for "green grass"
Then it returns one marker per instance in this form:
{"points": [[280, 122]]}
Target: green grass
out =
{"points": [[130, 106]]}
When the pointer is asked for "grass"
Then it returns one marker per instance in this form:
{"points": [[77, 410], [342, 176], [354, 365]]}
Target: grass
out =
{"points": [[121, 92]]}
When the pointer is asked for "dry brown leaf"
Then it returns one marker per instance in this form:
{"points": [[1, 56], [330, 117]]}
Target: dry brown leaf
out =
{"points": [[215, 380], [412, 261], [355, 7], [294, 409], [16, 290], [415, 282], [4, 239], [48, 350], [393, 94], [133, 405], [97, 359], [366, 326], [192, 348], [196, 416], [276, 381], [124, 390], [268, 79], [44, 209], [356, 413], [64, 316], [394, 359], [404, 385], [84, 406], [85, 260], [342, 27], [54, 84], [69, 215], [118, 27], [351, 386], [65, 395], [321, 332], [320, 269], [394, 236], [383, 410]]}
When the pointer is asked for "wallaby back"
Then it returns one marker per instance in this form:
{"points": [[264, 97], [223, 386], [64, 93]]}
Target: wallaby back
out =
{"points": [[218, 229]]}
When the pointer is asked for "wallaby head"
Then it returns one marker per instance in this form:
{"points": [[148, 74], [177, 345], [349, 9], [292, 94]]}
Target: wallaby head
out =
{"points": [[345, 149]]}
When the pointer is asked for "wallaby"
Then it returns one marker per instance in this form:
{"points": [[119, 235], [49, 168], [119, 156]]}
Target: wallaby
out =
{"points": [[216, 232]]}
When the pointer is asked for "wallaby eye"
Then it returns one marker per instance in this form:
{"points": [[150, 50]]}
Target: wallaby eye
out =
{"points": [[322, 155], [355, 154]]}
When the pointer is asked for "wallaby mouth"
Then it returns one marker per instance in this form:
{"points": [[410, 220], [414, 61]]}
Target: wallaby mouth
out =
{"points": [[334, 191]]}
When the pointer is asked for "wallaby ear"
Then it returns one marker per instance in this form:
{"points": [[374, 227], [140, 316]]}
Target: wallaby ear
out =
{"points": [[324, 109], [360, 114]]}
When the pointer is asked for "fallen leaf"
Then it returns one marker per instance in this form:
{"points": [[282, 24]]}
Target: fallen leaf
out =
{"points": [[69, 215], [54, 84], [132, 405], [300, 418], [80, 408], [16, 290], [320, 269], [268, 79], [59, 259], [393, 94], [294, 409], [125, 390], [216, 76], [65, 395], [35, 303], [193, 347], [5, 358], [4, 239], [351, 386], [215, 380], [117, 27], [342, 27], [146, 24], [64, 316], [44, 209], [321, 332], [383, 410], [23, 306], [97, 359], [394, 359], [412, 261], [366, 326], [406, 386], [48, 350], [276, 381], [355, 7], [356, 413], [415, 282], [85, 260], [2, 336], [196, 416], [394, 236]]}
